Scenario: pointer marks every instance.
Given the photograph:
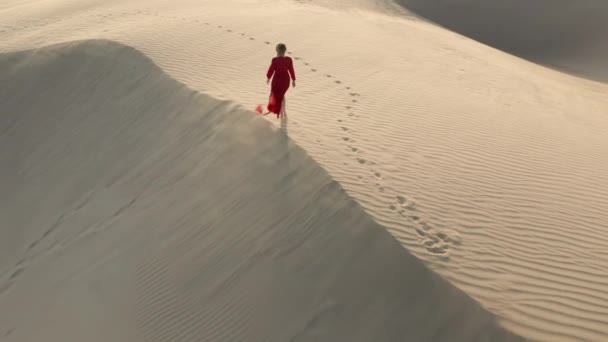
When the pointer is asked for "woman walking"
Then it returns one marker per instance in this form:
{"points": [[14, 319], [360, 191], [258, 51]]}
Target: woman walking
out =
{"points": [[281, 72]]}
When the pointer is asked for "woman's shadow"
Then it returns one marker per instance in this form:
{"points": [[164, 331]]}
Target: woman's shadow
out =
{"points": [[285, 137], [284, 127], [286, 146]]}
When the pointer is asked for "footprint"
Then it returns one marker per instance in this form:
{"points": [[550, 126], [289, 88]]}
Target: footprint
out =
{"points": [[362, 161], [378, 175], [354, 101], [313, 70], [345, 129], [328, 76], [306, 63], [348, 88], [15, 274], [402, 200], [338, 82], [339, 120], [437, 250], [354, 94], [267, 43], [50, 230], [425, 225], [228, 30], [251, 38], [33, 245], [346, 138], [348, 107], [354, 149], [297, 58], [443, 237]]}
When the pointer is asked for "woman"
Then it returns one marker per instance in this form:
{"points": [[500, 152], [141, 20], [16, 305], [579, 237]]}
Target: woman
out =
{"points": [[281, 71]]}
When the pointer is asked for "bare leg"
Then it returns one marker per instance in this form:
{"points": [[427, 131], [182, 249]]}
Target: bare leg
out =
{"points": [[282, 112]]}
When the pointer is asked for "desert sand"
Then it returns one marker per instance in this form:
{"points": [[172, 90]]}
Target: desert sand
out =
{"points": [[567, 35], [425, 186]]}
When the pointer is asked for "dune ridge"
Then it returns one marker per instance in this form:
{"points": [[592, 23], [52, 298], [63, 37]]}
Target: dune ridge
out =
{"points": [[485, 166], [138, 210]]}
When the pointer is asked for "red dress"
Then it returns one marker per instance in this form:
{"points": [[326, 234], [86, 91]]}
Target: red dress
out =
{"points": [[282, 69]]}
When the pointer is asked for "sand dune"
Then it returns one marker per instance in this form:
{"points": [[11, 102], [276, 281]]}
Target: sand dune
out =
{"points": [[138, 210], [569, 35], [488, 168]]}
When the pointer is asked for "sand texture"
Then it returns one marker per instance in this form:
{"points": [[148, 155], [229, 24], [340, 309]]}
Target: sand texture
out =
{"points": [[425, 186]]}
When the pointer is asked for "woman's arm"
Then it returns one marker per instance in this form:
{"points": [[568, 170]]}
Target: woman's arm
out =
{"points": [[292, 72], [270, 71]]}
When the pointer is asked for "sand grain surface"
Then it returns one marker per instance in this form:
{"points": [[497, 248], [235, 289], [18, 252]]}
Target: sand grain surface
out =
{"points": [[487, 167]]}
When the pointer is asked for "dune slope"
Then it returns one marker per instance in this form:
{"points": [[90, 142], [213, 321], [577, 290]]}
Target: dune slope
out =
{"points": [[569, 35], [489, 168], [138, 210]]}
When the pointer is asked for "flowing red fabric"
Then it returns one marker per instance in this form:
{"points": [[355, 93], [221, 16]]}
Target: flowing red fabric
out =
{"points": [[282, 72]]}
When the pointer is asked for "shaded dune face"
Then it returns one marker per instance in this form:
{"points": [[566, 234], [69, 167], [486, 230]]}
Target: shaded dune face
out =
{"points": [[167, 215], [569, 35]]}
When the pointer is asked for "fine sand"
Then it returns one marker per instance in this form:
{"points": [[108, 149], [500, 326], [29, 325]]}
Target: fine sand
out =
{"points": [[137, 209], [141, 211], [568, 35]]}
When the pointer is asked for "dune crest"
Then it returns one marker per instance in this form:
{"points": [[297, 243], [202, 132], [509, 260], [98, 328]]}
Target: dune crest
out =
{"points": [[487, 167], [138, 210]]}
